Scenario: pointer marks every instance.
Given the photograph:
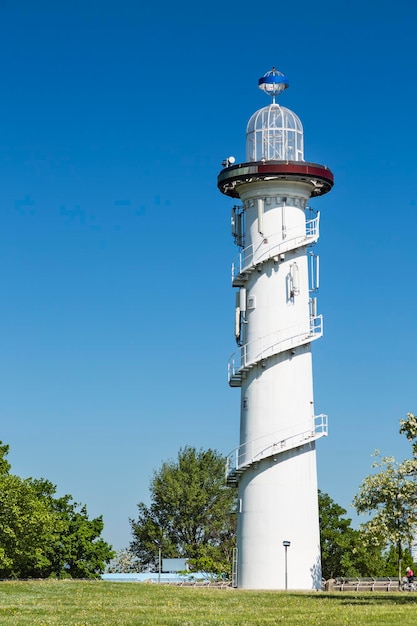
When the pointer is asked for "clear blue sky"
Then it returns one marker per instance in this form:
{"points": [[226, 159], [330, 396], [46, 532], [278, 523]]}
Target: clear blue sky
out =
{"points": [[115, 247]]}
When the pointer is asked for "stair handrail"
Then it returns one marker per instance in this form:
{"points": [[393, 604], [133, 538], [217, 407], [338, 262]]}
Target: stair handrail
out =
{"points": [[309, 232], [269, 345], [274, 443]]}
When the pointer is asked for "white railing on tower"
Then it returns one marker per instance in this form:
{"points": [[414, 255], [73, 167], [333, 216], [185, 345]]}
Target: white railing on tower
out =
{"points": [[275, 443], [269, 345], [275, 245]]}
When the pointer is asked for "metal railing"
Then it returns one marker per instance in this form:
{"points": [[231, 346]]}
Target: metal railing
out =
{"points": [[269, 345], [275, 245], [275, 443]]}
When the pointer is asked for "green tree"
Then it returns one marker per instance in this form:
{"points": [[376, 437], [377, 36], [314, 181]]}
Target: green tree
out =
{"points": [[192, 513], [75, 548], [390, 567], [4, 463], [343, 549], [85, 553], [390, 494], [408, 427], [26, 526], [335, 536], [41, 535]]}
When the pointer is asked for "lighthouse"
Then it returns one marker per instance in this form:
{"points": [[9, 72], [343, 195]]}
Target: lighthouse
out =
{"points": [[275, 275]]}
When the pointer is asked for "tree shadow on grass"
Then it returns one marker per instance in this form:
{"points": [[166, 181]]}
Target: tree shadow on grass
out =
{"points": [[366, 597]]}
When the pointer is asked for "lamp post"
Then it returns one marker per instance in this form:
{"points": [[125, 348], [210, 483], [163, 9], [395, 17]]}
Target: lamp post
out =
{"points": [[159, 544], [286, 545]]}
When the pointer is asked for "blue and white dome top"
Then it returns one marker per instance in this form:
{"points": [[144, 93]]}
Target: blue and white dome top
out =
{"points": [[274, 133], [273, 83]]}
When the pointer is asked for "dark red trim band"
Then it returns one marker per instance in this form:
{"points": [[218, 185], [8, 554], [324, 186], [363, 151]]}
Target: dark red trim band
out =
{"points": [[318, 176]]}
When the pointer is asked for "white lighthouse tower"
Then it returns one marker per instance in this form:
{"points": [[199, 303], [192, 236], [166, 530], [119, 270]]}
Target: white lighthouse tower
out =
{"points": [[276, 278]]}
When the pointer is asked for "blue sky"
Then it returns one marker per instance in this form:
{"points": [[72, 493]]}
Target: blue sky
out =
{"points": [[115, 247]]}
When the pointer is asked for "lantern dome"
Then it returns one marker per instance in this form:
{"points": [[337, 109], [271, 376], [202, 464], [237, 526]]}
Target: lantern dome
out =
{"points": [[274, 133]]}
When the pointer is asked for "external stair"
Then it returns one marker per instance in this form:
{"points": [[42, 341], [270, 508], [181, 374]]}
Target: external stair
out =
{"points": [[274, 444], [258, 351], [251, 258]]}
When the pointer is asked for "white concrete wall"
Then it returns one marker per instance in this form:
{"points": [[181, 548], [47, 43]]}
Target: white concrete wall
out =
{"points": [[279, 503], [278, 496]]}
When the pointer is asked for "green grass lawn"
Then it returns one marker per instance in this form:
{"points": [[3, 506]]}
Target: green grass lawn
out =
{"points": [[81, 603]]}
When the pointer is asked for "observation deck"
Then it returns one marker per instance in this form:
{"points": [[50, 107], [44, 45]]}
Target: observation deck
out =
{"points": [[319, 177]]}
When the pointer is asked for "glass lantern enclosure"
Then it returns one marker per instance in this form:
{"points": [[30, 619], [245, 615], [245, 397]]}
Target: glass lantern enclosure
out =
{"points": [[274, 133]]}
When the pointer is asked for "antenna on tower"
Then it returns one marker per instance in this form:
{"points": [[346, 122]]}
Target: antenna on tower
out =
{"points": [[273, 83]]}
